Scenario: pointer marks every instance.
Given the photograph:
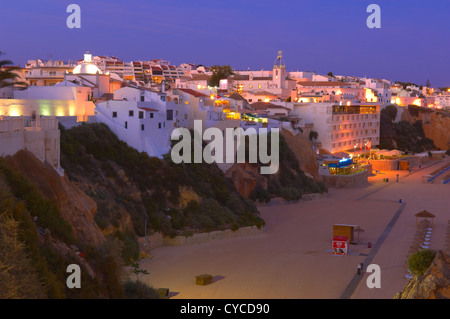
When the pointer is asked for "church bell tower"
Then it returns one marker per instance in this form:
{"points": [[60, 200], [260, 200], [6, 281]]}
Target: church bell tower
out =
{"points": [[279, 72]]}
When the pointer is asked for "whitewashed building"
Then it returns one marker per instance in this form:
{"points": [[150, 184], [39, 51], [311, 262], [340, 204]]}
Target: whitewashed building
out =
{"points": [[142, 118]]}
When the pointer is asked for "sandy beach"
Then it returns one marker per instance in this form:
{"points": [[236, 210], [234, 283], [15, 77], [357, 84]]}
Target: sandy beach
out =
{"points": [[292, 259]]}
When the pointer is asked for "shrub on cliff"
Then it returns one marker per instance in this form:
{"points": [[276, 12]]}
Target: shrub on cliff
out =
{"points": [[402, 135], [46, 211], [46, 262], [260, 194], [139, 290], [420, 261], [93, 153]]}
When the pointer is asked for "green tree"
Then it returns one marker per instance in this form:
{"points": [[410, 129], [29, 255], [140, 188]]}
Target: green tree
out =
{"points": [[313, 135], [390, 112], [9, 76], [219, 72], [138, 271], [330, 74], [420, 261]]}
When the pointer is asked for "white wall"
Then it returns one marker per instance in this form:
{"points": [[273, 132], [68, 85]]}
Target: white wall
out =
{"points": [[154, 139]]}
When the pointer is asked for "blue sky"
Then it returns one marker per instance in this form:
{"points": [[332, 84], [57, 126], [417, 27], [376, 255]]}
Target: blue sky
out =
{"points": [[315, 35]]}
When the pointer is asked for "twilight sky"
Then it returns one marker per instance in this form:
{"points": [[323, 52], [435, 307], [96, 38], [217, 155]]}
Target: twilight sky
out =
{"points": [[413, 43]]}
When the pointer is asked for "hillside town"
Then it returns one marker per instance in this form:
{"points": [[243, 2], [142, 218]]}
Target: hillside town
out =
{"points": [[95, 135], [142, 102]]}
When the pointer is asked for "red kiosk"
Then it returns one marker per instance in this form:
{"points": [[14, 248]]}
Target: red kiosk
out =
{"points": [[340, 245]]}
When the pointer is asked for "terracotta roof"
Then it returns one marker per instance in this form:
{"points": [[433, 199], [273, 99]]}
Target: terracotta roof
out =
{"points": [[264, 93], [192, 92], [197, 77], [322, 83], [148, 109], [266, 105], [425, 214], [236, 96]]}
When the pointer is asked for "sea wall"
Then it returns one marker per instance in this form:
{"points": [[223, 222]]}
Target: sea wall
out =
{"points": [[384, 165], [345, 181], [157, 239], [281, 201]]}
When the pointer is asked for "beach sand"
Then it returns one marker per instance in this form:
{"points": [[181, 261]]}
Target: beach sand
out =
{"points": [[292, 258]]}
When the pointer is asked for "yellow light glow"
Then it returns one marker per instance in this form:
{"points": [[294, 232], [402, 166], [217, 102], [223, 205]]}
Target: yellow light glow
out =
{"points": [[266, 100], [199, 86], [417, 102], [349, 103], [370, 96], [211, 96]]}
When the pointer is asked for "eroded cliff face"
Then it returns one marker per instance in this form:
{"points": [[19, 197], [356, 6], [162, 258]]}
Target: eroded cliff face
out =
{"points": [[435, 284], [436, 124], [247, 176], [438, 129], [304, 153], [75, 206]]}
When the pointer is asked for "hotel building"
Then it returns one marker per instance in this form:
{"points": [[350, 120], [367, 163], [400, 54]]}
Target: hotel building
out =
{"points": [[342, 127]]}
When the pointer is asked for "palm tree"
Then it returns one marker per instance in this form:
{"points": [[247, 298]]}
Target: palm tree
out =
{"points": [[9, 75]]}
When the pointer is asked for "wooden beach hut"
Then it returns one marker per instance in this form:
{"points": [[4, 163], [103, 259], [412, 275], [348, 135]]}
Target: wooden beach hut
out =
{"points": [[424, 214], [345, 230]]}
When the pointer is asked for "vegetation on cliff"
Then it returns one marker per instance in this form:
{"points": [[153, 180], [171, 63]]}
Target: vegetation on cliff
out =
{"points": [[420, 261], [125, 182], [290, 182], [402, 135], [20, 201], [35, 248], [431, 279]]}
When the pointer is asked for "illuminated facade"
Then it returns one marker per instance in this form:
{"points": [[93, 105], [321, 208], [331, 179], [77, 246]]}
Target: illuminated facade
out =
{"points": [[342, 127], [39, 73], [64, 99]]}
